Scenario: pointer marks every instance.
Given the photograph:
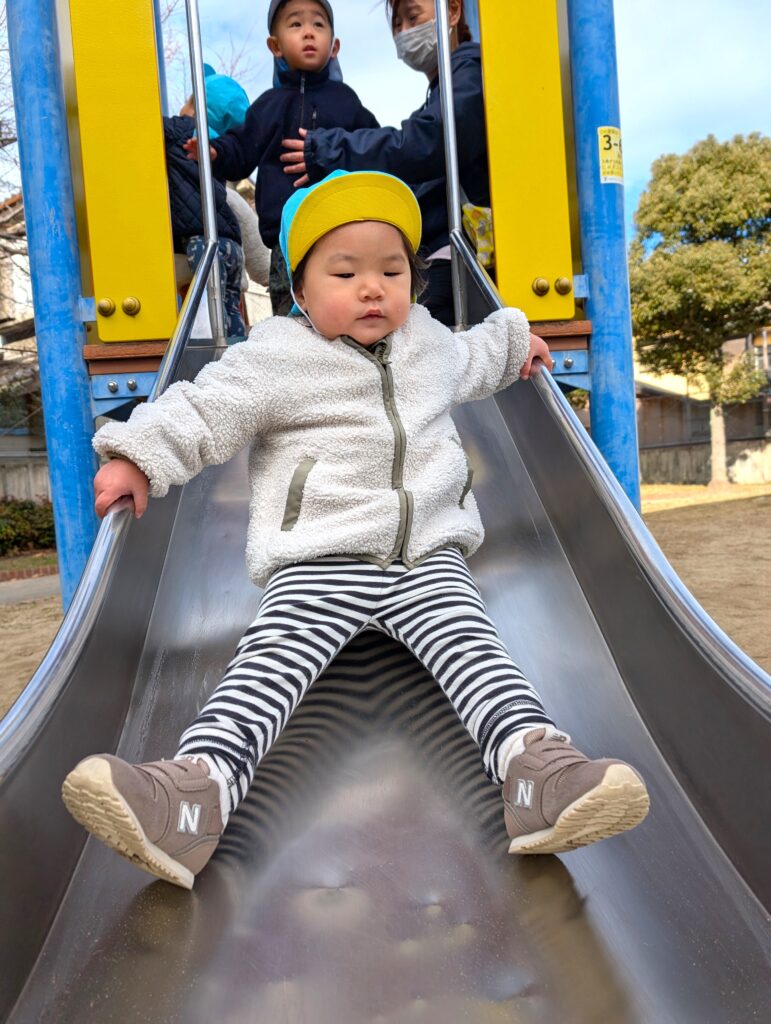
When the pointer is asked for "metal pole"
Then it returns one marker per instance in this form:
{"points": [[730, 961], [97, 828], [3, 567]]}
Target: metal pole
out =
{"points": [[176, 347], [216, 314], [450, 155], [161, 57], [49, 211], [603, 248]]}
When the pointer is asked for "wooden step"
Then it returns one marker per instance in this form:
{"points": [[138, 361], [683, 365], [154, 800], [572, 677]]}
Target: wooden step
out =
{"points": [[124, 357], [561, 335]]}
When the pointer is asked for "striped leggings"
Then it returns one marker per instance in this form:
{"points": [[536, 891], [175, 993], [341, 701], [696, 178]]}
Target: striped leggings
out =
{"points": [[308, 613]]}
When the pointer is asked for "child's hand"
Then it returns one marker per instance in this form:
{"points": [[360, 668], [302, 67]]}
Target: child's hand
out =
{"points": [[294, 160], [118, 479], [191, 148], [538, 350]]}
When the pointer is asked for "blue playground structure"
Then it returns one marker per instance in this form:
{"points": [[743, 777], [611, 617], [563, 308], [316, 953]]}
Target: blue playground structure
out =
{"points": [[365, 876], [78, 185]]}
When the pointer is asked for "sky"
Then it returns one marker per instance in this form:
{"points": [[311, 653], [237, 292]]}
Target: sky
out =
{"points": [[686, 69]]}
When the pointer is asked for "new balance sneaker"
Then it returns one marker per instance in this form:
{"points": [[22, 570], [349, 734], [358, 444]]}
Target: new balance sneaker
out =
{"points": [[556, 799], [163, 816]]}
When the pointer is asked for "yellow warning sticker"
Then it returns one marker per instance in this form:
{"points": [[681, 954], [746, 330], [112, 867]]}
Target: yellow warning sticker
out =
{"points": [[611, 164]]}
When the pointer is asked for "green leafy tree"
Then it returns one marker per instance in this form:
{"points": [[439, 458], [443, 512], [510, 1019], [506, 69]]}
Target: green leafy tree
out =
{"points": [[700, 268]]}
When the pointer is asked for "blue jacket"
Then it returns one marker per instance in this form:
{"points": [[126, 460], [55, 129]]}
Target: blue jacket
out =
{"points": [[185, 191], [302, 100], [415, 152]]}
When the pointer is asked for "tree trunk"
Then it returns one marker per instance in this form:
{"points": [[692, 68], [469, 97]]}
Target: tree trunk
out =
{"points": [[719, 472]]}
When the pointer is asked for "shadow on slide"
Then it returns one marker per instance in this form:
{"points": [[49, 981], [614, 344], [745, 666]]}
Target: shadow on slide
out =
{"points": [[365, 878]]}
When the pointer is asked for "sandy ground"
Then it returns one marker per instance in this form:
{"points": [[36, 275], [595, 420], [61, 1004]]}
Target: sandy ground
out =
{"points": [[26, 630], [658, 497], [720, 549], [722, 552]]}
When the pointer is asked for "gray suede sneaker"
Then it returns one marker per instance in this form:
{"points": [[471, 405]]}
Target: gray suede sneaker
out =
{"points": [[164, 816], [556, 799]]}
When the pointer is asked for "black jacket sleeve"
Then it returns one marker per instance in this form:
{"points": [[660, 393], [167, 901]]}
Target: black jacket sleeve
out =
{"points": [[240, 149], [414, 152], [364, 119]]}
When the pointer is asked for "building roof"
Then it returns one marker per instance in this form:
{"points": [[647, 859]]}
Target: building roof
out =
{"points": [[11, 201]]}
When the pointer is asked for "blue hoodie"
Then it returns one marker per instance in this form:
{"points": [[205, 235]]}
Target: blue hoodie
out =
{"points": [[301, 100], [415, 152]]}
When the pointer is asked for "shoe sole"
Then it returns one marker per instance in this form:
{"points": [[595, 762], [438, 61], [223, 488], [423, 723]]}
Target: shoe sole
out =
{"points": [[619, 802], [90, 796]]}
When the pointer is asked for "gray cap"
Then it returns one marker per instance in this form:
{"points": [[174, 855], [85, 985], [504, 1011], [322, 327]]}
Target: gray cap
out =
{"points": [[276, 4]]}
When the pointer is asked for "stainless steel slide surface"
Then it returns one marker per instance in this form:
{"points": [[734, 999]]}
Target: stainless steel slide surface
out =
{"points": [[365, 878]]}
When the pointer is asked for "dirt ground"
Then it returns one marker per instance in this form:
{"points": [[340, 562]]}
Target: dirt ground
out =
{"points": [[26, 630], [722, 552], [720, 549]]}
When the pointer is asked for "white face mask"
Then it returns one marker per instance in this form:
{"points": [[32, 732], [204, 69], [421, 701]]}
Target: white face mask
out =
{"points": [[417, 48]]}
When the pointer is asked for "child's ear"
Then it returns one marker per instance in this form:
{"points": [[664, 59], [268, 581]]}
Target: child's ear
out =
{"points": [[335, 49], [299, 296], [273, 46]]}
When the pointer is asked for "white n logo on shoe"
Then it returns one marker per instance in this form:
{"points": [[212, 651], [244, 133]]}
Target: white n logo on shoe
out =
{"points": [[189, 818], [524, 793]]}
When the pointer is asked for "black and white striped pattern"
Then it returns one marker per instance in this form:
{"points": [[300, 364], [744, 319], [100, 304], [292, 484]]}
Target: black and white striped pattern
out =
{"points": [[310, 611]]}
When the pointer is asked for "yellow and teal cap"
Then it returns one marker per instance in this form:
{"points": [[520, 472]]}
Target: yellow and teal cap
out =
{"points": [[342, 198]]}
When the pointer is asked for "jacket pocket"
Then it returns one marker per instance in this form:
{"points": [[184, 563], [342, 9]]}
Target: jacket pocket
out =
{"points": [[467, 485], [294, 499]]}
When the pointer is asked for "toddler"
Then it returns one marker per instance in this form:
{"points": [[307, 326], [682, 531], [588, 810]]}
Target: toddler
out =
{"points": [[361, 517], [226, 104], [303, 43]]}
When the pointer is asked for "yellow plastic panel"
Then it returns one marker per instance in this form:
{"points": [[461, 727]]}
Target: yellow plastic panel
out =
{"points": [[526, 150], [124, 169]]}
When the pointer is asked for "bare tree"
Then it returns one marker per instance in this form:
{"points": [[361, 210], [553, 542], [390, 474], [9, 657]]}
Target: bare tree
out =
{"points": [[9, 156], [238, 61]]}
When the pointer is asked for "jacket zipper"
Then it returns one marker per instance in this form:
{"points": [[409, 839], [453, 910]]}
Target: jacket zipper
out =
{"points": [[380, 356], [302, 99], [313, 119]]}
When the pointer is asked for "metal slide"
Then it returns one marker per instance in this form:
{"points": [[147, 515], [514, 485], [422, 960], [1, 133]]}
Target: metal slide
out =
{"points": [[366, 878]]}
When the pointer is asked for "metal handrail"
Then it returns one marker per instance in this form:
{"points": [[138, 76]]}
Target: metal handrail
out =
{"points": [[30, 710], [216, 314], [715, 645], [450, 155], [184, 326], [482, 279]]}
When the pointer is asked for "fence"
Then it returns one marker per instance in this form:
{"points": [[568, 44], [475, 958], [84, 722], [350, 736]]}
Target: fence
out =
{"points": [[749, 462], [25, 477]]}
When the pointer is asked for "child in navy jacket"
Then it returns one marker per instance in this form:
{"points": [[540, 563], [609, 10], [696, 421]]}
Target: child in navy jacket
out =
{"points": [[303, 43]]}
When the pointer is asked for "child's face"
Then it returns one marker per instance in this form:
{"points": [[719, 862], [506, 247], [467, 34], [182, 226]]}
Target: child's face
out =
{"points": [[302, 35], [357, 282]]}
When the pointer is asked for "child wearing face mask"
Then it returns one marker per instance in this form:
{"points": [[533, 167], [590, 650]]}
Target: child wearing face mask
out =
{"points": [[306, 96], [415, 152], [361, 517]]}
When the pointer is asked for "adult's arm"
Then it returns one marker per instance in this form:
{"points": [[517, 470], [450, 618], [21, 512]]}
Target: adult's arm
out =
{"points": [[414, 152]]}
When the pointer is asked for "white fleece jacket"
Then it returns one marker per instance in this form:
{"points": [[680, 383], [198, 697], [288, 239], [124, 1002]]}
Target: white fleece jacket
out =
{"points": [[352, 451]]}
